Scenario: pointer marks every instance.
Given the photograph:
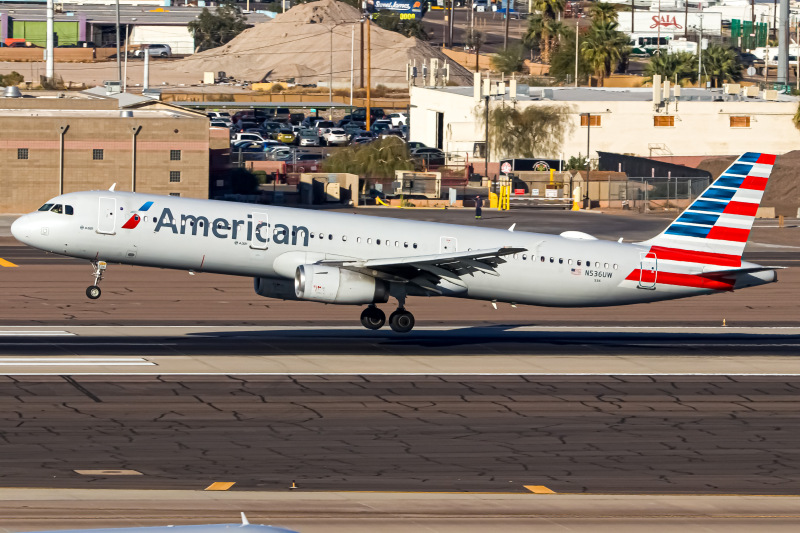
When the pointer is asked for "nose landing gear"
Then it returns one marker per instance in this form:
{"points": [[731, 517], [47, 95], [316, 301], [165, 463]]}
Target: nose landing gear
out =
{"points": [[93, 291]]}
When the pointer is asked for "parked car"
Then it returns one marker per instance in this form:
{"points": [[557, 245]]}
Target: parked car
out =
{"points": [[324, 125], [360, 114], [223, 116], [219, 124], [308, 137], [285, 135], [354, 128], [335, 136], [412, 145], [271, 129], [429, 156], [296, 118], [246, 137], [398, 119], [393, 132], [363, 138], [154, 50]]}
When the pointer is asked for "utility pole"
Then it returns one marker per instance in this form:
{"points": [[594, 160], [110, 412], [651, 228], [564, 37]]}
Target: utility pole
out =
{"points": [[119, 62], [508, 16], [49, 42], [577, 38], [369, 75], [361, 61], [588, 158], [783, 44], [486, 155], [451, 22]]}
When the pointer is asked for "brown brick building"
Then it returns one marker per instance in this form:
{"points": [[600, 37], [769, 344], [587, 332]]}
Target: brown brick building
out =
{"points": [[54, 146]]}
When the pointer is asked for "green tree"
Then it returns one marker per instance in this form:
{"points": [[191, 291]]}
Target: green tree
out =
{"points": [[562, 61], [512, 59], [680, 66], [549, 8], [604, 47], [577, 163], [604, 12], [389, 20], [12, 78], [721, 64], [535, 131], [211, 30], [378, 159]]}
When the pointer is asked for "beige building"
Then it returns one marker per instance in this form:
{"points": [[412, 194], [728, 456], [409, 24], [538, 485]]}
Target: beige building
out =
{"points": [[50, 146], [623, 120]]}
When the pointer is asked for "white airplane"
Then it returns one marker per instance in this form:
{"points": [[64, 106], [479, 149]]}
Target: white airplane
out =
{"points": [[336, 258]]}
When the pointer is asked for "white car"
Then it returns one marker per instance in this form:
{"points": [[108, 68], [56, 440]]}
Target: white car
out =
{"points": [[335, 136], [398, 119], [222, 116], [246, 136]]}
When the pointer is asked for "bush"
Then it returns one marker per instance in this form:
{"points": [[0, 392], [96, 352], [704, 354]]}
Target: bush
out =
{"points": [[13, 78]]}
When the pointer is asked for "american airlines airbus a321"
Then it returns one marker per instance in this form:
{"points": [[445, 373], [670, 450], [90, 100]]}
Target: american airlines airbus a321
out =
{"points": [[335, 258]]}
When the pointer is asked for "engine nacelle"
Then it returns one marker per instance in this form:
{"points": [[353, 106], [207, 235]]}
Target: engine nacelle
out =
{"points": [[338, 286], [282, 289]]}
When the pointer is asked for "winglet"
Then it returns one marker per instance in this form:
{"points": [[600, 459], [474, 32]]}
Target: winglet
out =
{"points": [[512, 226], [245, 521], [112, 187]]}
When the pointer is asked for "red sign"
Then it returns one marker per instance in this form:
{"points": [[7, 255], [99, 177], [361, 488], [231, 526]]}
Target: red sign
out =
{"points": [[665, 21], [505, 168]]}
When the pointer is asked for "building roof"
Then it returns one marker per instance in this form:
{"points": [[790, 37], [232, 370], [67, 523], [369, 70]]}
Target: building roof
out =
{"points": [[612, 94], [97, 113]]}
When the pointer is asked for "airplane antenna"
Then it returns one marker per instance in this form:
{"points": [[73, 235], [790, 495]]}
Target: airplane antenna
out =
{"points": [[112, 187], [512, 226], [620, 239], [245, 521]]}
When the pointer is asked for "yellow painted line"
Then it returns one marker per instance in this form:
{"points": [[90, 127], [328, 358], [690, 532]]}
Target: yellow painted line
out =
{"points": [[221, 485], [538, 489], [5, 263]]}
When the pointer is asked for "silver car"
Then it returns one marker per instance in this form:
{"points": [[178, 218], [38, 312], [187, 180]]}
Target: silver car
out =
{"points": [[308, 137], [154, 50]]}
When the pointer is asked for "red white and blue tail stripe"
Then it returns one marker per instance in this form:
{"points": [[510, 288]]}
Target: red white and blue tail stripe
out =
{"points": [[715, 228]]}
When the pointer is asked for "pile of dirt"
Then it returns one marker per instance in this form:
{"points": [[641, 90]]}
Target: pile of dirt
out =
{"points": [[783, 187], [311, 41]]}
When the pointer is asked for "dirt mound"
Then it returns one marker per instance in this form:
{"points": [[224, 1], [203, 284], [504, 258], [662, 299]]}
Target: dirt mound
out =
{"points": [[783, 188], [314, 39]]}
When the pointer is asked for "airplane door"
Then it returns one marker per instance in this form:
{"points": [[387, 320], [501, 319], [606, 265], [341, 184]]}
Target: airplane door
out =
{"points": [[107, 215], [648, 270], [260, 237], [448, 245]]}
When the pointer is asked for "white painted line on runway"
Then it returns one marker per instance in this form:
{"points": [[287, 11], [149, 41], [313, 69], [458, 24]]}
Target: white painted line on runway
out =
{"points": [[418, 374], [35, 333], [77, 361]]}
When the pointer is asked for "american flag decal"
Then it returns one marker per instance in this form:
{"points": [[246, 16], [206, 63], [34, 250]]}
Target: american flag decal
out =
{"points": [[575, 271]]}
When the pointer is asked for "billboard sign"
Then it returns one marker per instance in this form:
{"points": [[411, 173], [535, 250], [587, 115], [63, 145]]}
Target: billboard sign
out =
{"points": [[669, 22]]}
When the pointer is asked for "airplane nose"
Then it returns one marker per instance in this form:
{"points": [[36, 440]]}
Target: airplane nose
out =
{"points": [[20, 228]]}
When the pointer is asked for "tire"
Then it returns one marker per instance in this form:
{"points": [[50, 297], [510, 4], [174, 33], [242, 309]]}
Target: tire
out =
{"points": [[93, 292], [373, 318], [164, 54], [401, 321]]}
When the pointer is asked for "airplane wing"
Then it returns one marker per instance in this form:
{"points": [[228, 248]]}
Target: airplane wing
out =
{"points": [[427, 270]]}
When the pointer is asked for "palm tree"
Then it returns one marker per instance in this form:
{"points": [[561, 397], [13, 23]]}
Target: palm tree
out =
{"points": [[721, 64], [533, 35], [508, 60], [604, 12], [604, 47], [549, 8], [679, 66]]}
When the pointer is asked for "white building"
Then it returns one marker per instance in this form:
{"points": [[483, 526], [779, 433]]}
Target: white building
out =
{"points": [[629, 121]]}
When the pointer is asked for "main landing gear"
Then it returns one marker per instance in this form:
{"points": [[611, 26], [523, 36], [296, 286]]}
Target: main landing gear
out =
{"points": [[400, 321], [93, 291]]}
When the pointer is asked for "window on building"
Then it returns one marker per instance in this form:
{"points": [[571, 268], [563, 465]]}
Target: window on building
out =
{"points": [[22, 153], [664, 121], [174, 194], [174, 155], [174, 176], [97, 154], [591, 120], [740, 122]]}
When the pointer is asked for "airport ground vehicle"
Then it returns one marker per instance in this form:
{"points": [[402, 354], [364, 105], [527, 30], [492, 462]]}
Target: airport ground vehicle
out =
{"points": [[342, 258]]}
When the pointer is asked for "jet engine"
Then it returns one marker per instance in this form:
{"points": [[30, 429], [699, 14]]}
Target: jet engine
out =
{"points": [[282, 289], [338, 286]]}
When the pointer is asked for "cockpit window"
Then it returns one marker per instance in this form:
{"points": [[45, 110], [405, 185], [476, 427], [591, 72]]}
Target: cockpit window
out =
{"points": [[68, 210], [57, 209], [46, 207]]}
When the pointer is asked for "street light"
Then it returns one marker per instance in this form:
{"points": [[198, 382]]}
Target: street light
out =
{"points": [[352, 50]]}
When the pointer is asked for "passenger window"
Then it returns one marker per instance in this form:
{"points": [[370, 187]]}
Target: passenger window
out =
{"points": [[541, 259], [68, 210], [378, 241], [552, 260], [560, 261], [344, 237], [405, 245], [369, 240], [524, 257], [358, 239], [569, 261], [415, 246], [312, 235], [321, 235], [605, 265], [579, 262], [597, 264], [330, 236], [396, 244], [516, 256], [615, 266]]}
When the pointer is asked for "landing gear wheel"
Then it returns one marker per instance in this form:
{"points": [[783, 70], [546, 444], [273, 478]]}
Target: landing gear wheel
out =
{"points": [[401, 321], [373, 318], [93, 292]]}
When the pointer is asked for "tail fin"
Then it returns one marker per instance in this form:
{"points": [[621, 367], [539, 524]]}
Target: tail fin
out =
{"points": [[717, 224]]}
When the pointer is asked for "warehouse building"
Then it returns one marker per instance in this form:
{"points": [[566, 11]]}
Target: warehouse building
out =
{"points": [[50, 146], [671, 121]]}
